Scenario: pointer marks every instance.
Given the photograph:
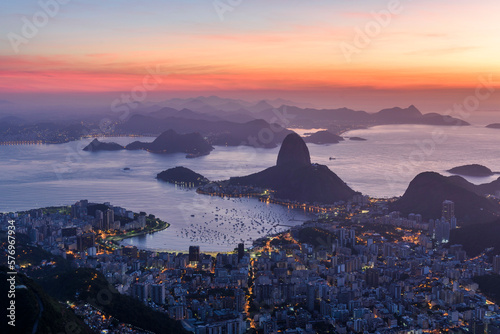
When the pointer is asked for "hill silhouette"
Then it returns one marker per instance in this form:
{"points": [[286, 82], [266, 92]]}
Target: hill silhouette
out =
{"points": [[493, 126], [428, 190], [182, 175], [476, 238], [295, 178], [168, 142], [172, 142], [96, 146], [35, 308], [223, 133], [471, 170], [323, 137]]}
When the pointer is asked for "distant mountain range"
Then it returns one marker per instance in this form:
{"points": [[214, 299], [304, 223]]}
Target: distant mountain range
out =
{"points": [[222, 121], [295, 115], [428, 190]]}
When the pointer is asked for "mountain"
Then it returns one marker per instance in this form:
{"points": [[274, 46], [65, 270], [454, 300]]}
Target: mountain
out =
{"points": [[428, 190], [293, 153], [260, 106], [399, 114], [295, 178], [172, 142], [183, 113], [168, 142], [476, 238], [471, 170], [323, 137], [96, 146], [412, 115], [182, 175], [8, 121], [492, 188], [329, 118], [35, 308], [222, 133]]}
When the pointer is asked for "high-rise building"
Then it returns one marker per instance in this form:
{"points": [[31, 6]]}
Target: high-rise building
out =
{"points": [[442, 231], [496, 264], [372, 278], [109, 219], [194, 253], [311, 297], [130, 251], [85, 241], [158, 294], [239, 299], [140, 291], [241, 251], [99, 219], [448, 211]]}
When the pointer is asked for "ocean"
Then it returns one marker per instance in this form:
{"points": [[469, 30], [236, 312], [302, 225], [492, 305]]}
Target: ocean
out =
{"points": [[34, 176]]}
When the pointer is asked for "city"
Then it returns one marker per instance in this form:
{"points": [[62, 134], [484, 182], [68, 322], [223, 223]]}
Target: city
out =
{"points": [[372, 271]]}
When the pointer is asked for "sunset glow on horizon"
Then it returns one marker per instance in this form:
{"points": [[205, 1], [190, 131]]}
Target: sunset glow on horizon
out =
{"points": [[296, 46]]}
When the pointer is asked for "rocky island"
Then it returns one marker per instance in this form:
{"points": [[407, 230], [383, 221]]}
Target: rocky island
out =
{"points": [[471, 170], [493, 126], [193, 144], [323, 137], [183, 176], [295, 178], [96, 145]]}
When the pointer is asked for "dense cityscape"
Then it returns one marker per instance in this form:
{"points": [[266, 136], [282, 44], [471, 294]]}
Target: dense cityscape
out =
{"points": [[249, 167], [372, 271]]}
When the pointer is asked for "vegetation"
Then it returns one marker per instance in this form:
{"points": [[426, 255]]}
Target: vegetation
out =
{"points": [[88, 285], [490, 286], [55, 317], [58, 281], [475, 239], [316, 237]]}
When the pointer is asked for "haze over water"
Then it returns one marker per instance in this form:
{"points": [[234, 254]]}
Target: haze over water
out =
{"points": [[29, 179]]}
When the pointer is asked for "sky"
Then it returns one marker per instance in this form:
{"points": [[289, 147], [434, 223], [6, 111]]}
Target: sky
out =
{"points": [[365, 54]]}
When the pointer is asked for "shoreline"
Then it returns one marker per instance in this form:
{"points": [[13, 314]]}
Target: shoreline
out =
{"points": [[117, 239]]}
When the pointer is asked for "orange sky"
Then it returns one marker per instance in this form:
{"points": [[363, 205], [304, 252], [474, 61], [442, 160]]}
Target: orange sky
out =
{"points": [[96, 47]]}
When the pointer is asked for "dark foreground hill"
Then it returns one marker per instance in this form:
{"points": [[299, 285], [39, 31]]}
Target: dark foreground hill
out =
{"points": [[295, 178], [476, 238], [35, 308], [428, 190], [90, 285]]}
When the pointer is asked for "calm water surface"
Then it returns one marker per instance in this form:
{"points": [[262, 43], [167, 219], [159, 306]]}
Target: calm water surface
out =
{"points": [[33, 176]]}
